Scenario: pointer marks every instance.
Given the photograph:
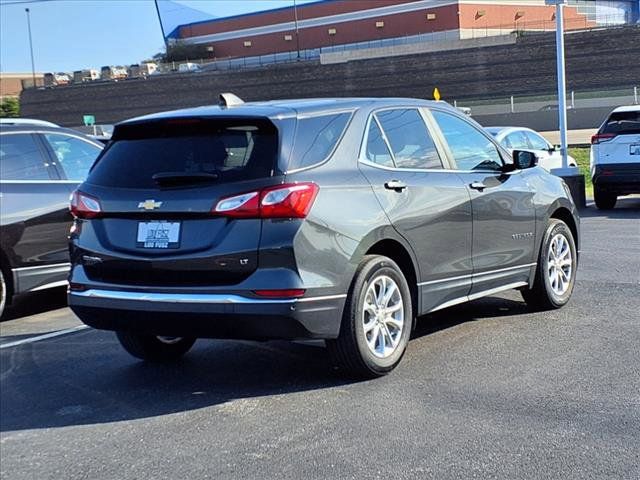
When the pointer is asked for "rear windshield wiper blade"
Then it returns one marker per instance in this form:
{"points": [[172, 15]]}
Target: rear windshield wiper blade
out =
{"points": [[181, 178]]}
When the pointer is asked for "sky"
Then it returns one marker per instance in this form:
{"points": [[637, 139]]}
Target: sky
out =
{"points": [[73, 34]]}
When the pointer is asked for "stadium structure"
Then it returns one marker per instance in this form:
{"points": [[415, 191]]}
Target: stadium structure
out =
{"points": [[343, 24]]}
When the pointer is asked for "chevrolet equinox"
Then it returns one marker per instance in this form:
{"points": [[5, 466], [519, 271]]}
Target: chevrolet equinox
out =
{"points": [[334, 219]]}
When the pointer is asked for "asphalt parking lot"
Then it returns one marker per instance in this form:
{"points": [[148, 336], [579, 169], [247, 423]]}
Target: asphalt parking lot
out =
{"points": [[486, 390]]}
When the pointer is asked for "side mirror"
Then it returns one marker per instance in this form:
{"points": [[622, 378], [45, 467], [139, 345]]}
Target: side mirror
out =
{"points": [[523, 159]]}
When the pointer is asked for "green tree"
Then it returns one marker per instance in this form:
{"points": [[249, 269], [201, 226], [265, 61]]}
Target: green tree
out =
{"points": [[9, 107], [181, 51]]}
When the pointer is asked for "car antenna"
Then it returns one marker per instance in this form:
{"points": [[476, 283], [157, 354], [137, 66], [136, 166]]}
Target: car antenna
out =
{"points": [[230, 100]]}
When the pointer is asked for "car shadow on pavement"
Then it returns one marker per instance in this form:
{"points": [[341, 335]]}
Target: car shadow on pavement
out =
{"points": [[86, 378], [37, 302], [489, 307]]}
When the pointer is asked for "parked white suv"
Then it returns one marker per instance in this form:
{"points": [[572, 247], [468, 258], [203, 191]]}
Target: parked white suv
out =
{"points": [[615, 156]]}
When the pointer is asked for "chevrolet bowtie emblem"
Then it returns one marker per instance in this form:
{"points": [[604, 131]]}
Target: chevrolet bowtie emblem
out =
{"points": [[149, 204]]}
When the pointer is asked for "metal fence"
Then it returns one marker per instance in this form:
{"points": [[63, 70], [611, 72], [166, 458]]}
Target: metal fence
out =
{"points": [[531, 103]]}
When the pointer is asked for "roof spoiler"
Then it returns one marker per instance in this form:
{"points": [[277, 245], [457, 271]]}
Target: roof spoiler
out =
{"points": [[230, 100]]}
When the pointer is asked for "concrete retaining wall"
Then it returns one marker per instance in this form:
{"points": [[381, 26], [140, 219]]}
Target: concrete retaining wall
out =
{"points": [[595, 60]]}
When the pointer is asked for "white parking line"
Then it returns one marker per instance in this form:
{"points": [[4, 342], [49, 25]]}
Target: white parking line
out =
{"points": [[43, 337]]}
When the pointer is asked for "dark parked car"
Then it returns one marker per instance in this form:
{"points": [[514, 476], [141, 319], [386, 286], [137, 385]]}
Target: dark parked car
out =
{"points": [[39, 168], [336, 219]]}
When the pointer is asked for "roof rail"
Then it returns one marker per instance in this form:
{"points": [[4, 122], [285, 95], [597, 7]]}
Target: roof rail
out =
{"points": [[230, 100]]}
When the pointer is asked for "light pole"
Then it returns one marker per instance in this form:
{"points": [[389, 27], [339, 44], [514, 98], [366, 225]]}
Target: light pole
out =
{"points": [[562, 86], [295, 16], [164, 37], [571, 175], [33, 65]]}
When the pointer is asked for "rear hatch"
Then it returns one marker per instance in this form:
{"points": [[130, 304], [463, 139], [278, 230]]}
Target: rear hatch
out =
{"points": [[157, 185], [618, 140]]}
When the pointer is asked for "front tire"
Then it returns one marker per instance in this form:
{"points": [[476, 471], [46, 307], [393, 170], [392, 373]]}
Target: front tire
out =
{"points": [[154, 348], [556, 270], [377, 320], [604, 200]]}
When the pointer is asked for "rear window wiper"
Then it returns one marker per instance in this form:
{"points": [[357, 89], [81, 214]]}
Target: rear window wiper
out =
{"points": [[183, 178]]}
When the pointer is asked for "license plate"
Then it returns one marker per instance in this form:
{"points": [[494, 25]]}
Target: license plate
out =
{"points": [[634, 149], [159, 234]]}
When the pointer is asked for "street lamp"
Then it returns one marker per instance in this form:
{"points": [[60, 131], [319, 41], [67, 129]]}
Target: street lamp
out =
{"points": [[562, 86], [33, 65], [295, 14], [571, 175]]}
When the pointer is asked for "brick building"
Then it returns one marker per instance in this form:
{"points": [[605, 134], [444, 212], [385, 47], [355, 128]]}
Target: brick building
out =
{"points": [[331, 23], [11, 84]]}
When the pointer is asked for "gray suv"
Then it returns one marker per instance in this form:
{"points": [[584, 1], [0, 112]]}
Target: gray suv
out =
{"points": [[334, 219]]}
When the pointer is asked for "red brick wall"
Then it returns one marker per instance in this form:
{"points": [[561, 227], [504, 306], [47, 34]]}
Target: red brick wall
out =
{"points": [[398, 25], [285, 15], [450, 17], [535, 17]]}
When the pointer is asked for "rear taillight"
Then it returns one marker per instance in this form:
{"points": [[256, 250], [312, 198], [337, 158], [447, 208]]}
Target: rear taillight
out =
{"points": [[601, 137], [291, 200], [84, 206]]}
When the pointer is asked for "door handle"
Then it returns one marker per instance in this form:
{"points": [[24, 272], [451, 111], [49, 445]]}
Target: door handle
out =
{"points": [[396, 185], [478, 186]]}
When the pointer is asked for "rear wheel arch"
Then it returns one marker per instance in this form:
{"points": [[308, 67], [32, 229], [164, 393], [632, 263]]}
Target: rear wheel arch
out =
{"points": [[397, 252]]}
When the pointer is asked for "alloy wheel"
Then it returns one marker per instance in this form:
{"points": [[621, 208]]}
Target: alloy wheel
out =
{"points": [[383, 316], [559, 264]]}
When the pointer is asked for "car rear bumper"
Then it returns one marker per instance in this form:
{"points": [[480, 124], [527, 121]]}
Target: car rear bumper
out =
{"points": [[209, 315], [620, 178]]}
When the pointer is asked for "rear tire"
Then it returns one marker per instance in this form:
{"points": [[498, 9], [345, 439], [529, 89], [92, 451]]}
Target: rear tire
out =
{"points": [[556, 270], [154, 348], [604, 200], [377, 320]]}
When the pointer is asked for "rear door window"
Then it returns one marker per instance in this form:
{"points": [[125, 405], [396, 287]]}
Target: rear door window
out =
{"points": [[377, 149], [21, 158], [622, 123], [75, 156], [219, 151], [410, 142]]}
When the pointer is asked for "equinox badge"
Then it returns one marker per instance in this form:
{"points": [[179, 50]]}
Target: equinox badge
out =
{"points": [[149, 204]]}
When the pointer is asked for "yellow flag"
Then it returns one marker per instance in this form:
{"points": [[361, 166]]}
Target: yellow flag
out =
{"points": [[436, 94]]}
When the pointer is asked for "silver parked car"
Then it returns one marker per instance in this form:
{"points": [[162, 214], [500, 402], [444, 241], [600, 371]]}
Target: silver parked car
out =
{"points": [[521, 138]]}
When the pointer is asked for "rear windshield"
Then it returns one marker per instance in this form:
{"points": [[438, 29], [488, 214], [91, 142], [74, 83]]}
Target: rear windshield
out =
{"points": [[622, 122], [218, 151], [316, 137]]}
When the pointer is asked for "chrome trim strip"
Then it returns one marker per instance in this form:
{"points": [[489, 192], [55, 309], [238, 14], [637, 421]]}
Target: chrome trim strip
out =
{"points": [[484, 293], [42, 267], [193, 297], [46, 286], [517, 267], [317, 299], [477, 275], [450, 279], [475, 296]]}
